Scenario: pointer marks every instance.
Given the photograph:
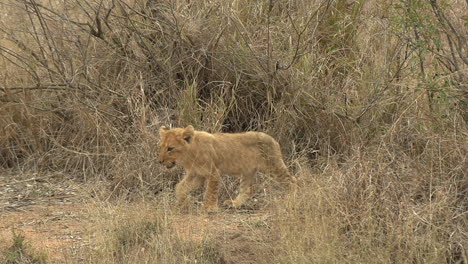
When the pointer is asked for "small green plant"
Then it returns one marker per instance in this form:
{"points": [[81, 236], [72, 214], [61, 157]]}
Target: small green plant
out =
{"points": [[21, 252], [436, 46]]}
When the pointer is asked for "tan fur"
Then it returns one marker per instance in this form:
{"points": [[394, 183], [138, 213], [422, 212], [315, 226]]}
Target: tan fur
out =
{"points": [[205, 157]]}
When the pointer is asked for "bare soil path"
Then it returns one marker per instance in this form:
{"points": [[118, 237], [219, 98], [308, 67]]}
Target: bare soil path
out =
{"points": [[53, 216], [49, 213]]}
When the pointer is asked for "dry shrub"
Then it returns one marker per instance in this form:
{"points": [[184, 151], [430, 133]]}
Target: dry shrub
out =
{"points": [[322, 76]]}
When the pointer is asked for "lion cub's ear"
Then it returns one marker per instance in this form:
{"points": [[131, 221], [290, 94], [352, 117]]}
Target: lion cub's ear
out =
{"points": [[162, 130], [188, 133]]}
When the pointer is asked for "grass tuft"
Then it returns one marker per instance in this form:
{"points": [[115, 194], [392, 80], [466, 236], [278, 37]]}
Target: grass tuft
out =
{"points": [[20, 252]]}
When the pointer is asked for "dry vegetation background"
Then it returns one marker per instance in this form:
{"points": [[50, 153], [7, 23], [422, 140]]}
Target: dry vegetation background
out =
{"points": [[368, 99]]}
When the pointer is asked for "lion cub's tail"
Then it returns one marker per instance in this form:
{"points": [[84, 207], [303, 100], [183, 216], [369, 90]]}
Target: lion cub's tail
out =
{"points": [[274, 163]]}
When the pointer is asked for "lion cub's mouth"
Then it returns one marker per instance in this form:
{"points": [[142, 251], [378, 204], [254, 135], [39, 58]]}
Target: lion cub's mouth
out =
{"points": [[170, 166]]}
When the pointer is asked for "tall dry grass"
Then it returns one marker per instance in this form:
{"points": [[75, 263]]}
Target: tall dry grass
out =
{"points": [[367, 98]]}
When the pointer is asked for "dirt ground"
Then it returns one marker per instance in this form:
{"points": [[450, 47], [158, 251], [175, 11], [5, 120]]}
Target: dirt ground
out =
{"points": [[53, 217], [49, 213]]}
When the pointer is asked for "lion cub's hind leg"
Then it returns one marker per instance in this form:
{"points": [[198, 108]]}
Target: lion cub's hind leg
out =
{"points": [[245, 192], [210, 199]]}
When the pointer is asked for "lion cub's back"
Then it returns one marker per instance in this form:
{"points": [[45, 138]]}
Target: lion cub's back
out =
{"points": [[239, 151], [243, 141]]}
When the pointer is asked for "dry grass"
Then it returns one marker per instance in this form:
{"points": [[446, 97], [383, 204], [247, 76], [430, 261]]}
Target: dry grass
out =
{"points": [[367, 98], [377, 209], [121, 236]]}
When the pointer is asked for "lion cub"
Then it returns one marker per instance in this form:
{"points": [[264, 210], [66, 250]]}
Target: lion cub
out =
{"points": [[205, 157]]}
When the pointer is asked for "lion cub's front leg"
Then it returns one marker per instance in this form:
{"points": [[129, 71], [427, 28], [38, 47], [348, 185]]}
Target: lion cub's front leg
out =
{"points": [[183, 188]]}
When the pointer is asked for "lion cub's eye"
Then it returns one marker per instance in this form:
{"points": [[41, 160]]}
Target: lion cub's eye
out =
{"points": [[169, 149]]}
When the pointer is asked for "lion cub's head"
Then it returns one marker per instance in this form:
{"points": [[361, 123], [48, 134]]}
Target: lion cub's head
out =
{"points": [[173, 144]]}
